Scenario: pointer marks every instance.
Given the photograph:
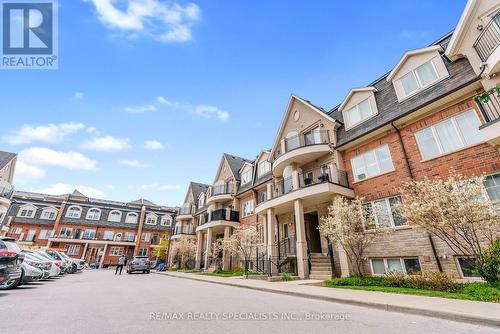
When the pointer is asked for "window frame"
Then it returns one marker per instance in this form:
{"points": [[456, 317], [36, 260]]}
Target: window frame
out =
{"points": [[111, 213], [48, 210], [69, 210], [116, 251], [74, 247], [391, 214], [420, 87], [141, 253], [401, 260], [249, 173], [44, 234], [93, 234], [259, 168], [372, 151], [166, 221], [351, 125], [460, 271], [91, 211], [125, 238], [151, 216], [146, 237], [129, 214], [252, 210], [66, 229], [108, 232], [29, 209], [435, 136]]}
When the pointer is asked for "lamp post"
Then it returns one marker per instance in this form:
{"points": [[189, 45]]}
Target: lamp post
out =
{"points": [[174, 215]]}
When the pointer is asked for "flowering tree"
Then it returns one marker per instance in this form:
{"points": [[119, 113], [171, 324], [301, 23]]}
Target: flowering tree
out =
{"points": [[185, 249], [160, 252], [344, 225], [456, 211], [241, 243]]}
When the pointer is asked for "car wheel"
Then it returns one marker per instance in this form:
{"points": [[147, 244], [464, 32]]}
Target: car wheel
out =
{"points": [[147, 271], [74, 268], [10, 285]]}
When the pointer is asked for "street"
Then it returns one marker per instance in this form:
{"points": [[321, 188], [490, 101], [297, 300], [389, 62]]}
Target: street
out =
{"points": [[100, 302]]}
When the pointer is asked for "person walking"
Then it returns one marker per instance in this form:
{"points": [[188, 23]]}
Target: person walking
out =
{"points": [[121, 263]]}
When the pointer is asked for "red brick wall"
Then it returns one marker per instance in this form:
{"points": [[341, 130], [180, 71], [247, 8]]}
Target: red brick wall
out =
{"points": [[252, 219], [474, 160], [25, 228]]}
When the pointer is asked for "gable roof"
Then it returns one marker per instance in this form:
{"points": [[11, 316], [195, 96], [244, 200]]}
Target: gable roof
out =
{"points": [[354, 91], [235, 163], [142, 201], [5, 158], [197, 189], [409, 54], [77, 193]]}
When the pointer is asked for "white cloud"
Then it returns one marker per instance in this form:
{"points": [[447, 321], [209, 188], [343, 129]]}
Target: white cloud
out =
{"points": [[154, 145], [26, 172], [162, 100], [211, 111], [51, 133], [107, 143], [166, 22], [79, 95], [140, 109], [49, 157], [66, 188], [133, 163], [160, 187]]}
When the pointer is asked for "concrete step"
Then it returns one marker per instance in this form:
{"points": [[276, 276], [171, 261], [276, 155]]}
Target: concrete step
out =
{"points": [[321, 272], [320, 277], [321, 267]]}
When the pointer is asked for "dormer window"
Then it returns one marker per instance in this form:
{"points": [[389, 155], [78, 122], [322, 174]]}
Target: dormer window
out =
{"points": [[27, 211], [74, 212], [246, 177], [115, 216], [49, 214], [151, 219], [419, 78], [93, 214], [131, 218], [201, 200], [359, 113], [263, 168]]}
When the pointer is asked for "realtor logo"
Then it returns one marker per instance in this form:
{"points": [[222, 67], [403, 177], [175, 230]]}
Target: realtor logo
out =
{"points": [[29, 34]]}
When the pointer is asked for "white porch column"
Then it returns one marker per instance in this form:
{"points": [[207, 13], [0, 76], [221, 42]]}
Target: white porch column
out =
{"points": [[84, 250], [199, 245], [300, 231], [103, 256], [226, 257], [295, 179], [209, 247]]}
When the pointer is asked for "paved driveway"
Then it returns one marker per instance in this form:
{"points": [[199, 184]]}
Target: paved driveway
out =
{"points": [[99, 302]]}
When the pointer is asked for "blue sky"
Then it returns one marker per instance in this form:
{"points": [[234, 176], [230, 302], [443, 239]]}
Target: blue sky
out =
{"points": [[150, 93]]}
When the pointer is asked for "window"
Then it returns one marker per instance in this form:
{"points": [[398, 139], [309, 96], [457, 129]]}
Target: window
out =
{"points": [[247, 208], [419, 78], [145, 237], [108, 235], [359, 113], [467, 267], [44, 234], [129, 236], [89, 234], [263, 168], [131, 218], [372, 163], [26, 212], [382, 213], [65, 232], [115, 216], [72, 249], [74, 212], [166, 221], [49, 214], [492, 185], [246, 177], [312, 137], [409, 266], [93, 214], [151, 219], [116, 251], [449, 135], [143, 252], [201, 200], [16, 230]]}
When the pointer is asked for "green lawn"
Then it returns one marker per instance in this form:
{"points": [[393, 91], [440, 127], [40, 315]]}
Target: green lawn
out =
{"points": [[226, 273]]}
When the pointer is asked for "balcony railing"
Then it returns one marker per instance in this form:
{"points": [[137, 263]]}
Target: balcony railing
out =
{"points": [[287, 247], [489, 39], [186, 210], [222, 189], [6, 191], [184, 230], [308, 178], [314, 137], [222, 214], [489, 104]]}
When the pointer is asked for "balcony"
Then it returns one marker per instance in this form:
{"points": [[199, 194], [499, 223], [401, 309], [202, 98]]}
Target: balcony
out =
{"points": [[6, 191], [313, 187], [220, 217], [185, 230], [301, 148], [489, 105], [221, 193], [186, 212], [487, 43]]}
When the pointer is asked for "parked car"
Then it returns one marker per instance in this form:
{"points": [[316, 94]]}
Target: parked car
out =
{"points": [[67, 264], [55, 268], [29, 273], [10, 263], [76, 263], [38, 262], [139, 263], [63, 265]]}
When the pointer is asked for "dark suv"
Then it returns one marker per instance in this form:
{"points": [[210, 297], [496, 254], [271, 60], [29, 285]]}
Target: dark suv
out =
{"points": [[10, 263], [139, 263]]}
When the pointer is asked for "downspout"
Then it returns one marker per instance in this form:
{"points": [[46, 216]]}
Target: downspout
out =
{"points": [[410, 174]]}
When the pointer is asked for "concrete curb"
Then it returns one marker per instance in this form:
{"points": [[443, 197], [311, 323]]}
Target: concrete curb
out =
{"points": [[454, 316]]}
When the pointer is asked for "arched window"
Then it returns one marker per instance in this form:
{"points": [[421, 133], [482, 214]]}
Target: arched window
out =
{"points": [[151, 219], [131, 218], [49, 213], [115, 216], [94, 214], [74, 212], [201, 200]]}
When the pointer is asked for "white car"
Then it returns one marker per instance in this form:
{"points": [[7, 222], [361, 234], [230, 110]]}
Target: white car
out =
{"points": [[55, 268], [39, 263], [29, 273], [77, 263]]}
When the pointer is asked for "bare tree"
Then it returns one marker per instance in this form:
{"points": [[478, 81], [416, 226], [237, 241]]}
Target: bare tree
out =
{"points": [[241, 243], [344, 225], [185, 249], [455, 210]]}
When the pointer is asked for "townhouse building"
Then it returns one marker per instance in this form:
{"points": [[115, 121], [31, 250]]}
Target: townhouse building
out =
{"points": [[91, 229], [7, 168], [437, 110]]}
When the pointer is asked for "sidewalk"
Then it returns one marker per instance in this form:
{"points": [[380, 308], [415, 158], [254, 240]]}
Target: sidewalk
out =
{"points": [[451, 309]]}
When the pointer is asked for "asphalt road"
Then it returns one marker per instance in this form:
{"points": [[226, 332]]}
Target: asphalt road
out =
{"points": [[100, 302]]}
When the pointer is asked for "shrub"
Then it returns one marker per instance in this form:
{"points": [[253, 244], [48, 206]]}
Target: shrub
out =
{"points": [[238, 269], [482, 291], [439, 281], [358, 281], [490, 270], [286, 277]]}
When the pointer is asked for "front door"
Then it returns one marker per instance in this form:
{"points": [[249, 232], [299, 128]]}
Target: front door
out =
{"points": [[312, 232]]}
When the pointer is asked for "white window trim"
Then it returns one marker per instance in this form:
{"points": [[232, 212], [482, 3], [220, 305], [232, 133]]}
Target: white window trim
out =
{"points": [[84, 231], [378, 164], [436, 138], [373, 113], [249, 172], [259, 171], [110, 215], [116, 251], [75, 249], [151, 215], [108, 232], [144, 235], [28, 208], [166, 221], [98, 215], [124, 237], [132, 214], [460, 272], [417, 79], [391, 218], [69, 210], [54, 210], [140, 251], [41, 235], [253, 209], [386, 267]]}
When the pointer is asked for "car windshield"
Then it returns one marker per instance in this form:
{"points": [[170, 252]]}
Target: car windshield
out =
{"points": [[54, 255], [12, 246], [64, 255], [141, 258], [45, 256]]}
